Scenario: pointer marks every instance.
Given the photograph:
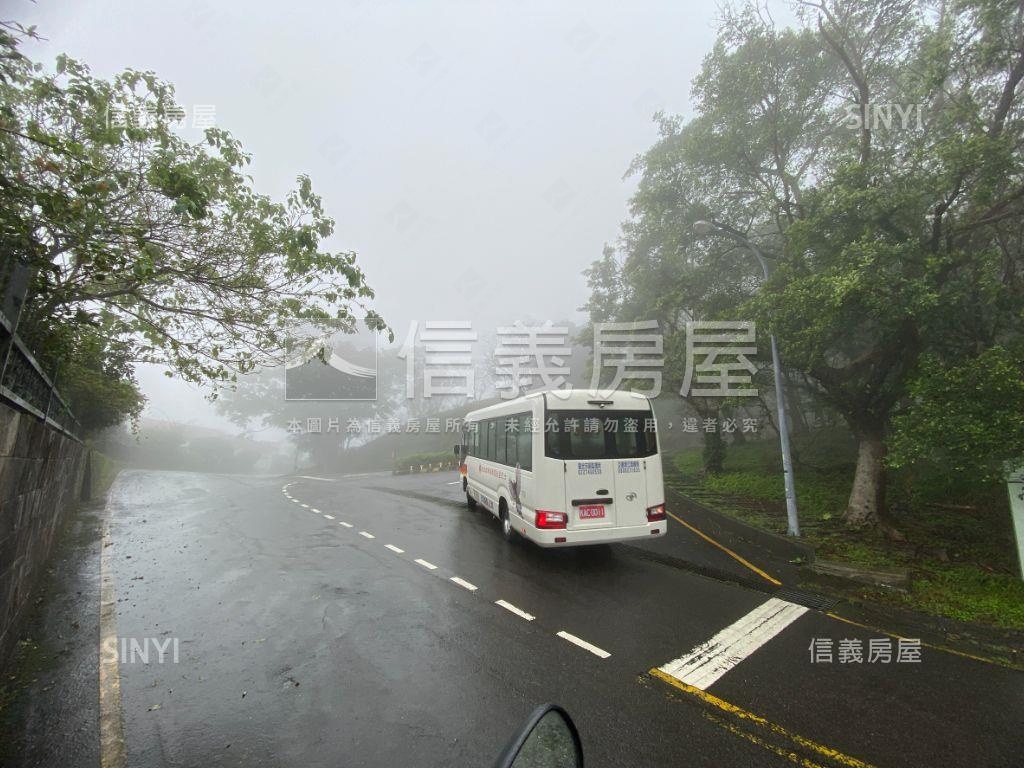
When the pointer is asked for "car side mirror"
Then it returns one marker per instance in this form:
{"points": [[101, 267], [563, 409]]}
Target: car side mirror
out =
{"points": [[548, 739]]}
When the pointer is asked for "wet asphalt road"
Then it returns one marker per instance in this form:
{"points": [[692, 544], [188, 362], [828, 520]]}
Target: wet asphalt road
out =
{"points": [[302, 642]]}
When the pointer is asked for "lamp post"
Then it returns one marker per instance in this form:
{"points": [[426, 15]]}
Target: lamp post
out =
{"points": [[705, 228]]}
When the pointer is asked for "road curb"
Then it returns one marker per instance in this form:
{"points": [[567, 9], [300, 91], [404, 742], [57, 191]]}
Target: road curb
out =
{"points": [[715, 522]]}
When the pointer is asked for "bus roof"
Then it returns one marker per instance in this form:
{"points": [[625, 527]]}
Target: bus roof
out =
{"points": [[568, 400]]}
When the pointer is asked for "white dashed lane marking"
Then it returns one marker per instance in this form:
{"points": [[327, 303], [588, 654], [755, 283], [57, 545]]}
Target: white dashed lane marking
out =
{"points": [[710, 660], [461, 582], [584, 644], [517, 611]]}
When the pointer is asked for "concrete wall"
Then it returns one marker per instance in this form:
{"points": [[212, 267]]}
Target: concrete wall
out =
{"points": [[41, 479]]}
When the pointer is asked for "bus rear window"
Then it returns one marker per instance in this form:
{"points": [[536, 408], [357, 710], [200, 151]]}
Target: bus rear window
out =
{"points": [[583, 435]]}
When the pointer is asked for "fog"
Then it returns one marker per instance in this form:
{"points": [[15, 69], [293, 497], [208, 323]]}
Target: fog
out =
{"points": [[472, 153]]}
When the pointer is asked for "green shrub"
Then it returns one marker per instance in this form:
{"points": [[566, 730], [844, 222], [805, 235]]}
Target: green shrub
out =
{"points": [[970, 594]]}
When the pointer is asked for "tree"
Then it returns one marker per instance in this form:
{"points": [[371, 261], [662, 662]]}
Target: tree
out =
{"points": [[719, 165], [160, 244], [891, 239], [652, 282], [968, 418], [910, 244], [95, 375]]}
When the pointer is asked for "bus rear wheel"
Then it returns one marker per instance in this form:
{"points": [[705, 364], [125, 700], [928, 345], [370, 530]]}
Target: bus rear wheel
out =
{"points": [[470, 501], [507, 531]]}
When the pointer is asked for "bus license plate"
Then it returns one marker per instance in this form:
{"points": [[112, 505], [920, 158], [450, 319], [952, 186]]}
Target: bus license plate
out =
{"points": [[591, 511]]}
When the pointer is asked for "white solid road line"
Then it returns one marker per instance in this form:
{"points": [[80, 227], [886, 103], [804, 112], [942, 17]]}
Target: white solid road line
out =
{"points": [[425, 564], [584, 644], [113, 752], [311, 477], [342, 522], [517, 611], [464, 583], [367, 535], [395, 549], [710, 660], [454, 482], [329, 517]]}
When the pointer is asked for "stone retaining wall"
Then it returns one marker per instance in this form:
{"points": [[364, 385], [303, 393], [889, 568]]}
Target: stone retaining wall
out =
{"points": [[42, 472]]}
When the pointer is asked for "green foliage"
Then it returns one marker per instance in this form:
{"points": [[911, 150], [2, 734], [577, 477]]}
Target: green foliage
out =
{"points": [[892, 243], [821, 497], [966, 418], [93, 373], [160, 246], [686, 463], [974, 580], [968, 593], [713, 453]]}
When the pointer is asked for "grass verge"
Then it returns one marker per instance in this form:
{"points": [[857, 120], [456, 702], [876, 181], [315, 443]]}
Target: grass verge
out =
{"points": [[959, 544]]}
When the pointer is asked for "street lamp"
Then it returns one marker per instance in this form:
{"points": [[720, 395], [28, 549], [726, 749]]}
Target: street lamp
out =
{"points": [[705, 228]]}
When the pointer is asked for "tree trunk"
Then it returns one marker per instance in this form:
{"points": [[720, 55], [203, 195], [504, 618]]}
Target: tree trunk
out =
{"points": [[738, 438], [866, 506], [714, 453]]}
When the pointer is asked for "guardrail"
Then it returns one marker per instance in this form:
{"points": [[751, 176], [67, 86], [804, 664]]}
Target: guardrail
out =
{"points": [[436, 466], [24, 384]]}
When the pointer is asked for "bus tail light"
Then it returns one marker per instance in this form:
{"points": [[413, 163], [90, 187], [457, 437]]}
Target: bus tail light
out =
{"points": [[463, 469], [550, 520], [656, 513]]}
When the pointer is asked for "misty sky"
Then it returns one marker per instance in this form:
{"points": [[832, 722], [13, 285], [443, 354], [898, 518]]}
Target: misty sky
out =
{"points": [[472, 153]]}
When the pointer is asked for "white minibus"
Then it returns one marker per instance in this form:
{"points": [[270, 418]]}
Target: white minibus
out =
{"points": [[567, 467]]}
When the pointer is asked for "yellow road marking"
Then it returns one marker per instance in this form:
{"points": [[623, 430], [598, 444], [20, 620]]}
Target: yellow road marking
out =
{"points": [[727, 551], [831, 754], [791, 756], [837, 617], [943, 648], [112, 746]]}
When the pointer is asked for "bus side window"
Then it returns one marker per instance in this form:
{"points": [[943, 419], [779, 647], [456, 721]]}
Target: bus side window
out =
{"points": [[501, 435], [511, 451], [524, 438], [489, 451]]}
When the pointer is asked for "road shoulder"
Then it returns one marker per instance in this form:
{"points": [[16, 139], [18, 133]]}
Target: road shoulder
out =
{"points": [[49, 706]]}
